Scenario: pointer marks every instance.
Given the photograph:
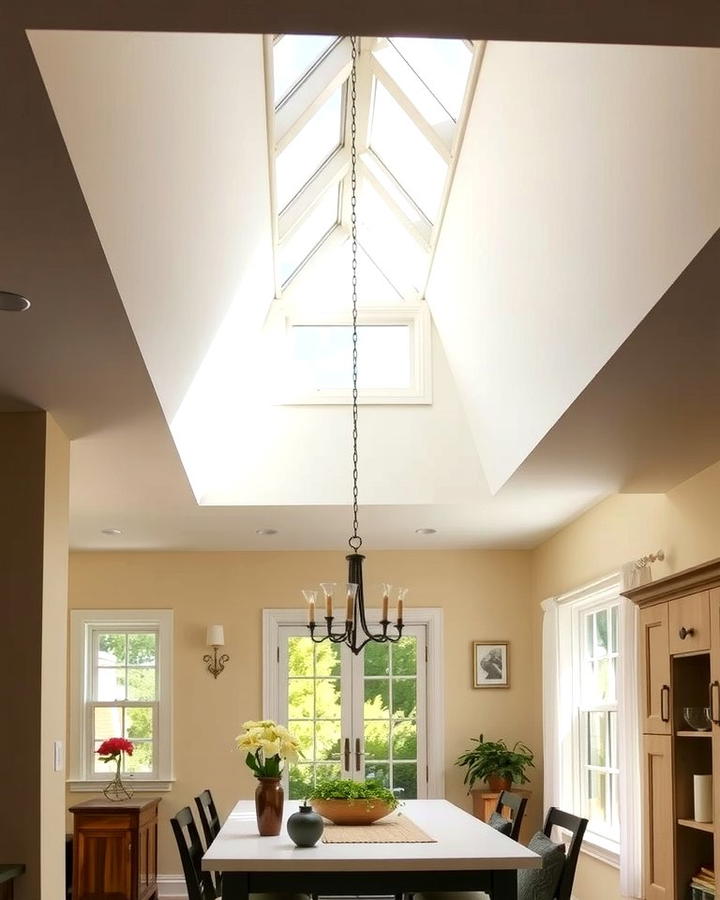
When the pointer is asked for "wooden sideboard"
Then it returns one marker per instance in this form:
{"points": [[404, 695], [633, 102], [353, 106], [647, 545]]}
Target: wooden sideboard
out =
{"points": [[8, 873], [115, 849]]}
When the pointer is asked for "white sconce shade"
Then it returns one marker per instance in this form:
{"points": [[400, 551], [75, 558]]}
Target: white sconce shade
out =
{"points": [[215, 636]]}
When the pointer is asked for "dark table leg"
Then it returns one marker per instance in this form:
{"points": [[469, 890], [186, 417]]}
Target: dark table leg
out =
{"points": [[235, 886], [504, 885]]}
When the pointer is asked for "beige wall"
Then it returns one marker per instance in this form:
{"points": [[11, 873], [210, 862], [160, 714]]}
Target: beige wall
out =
{"points": [[483, 594], [685, 523], [33, 612]]}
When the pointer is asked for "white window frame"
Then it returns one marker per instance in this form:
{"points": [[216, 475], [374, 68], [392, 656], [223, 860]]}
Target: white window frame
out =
{"points": [[571, 607], [430, 618], [84, 625], [415, 317]]}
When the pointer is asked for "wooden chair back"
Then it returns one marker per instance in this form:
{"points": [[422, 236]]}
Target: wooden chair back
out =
{"points": [[199, 884], [577, 827], [516, 804], [209, 818]]}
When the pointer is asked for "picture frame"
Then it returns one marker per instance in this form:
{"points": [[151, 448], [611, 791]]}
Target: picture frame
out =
{"points": [[491, 664]]}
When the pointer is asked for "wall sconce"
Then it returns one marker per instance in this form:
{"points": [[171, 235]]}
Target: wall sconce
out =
{"points": [[215, 639]]}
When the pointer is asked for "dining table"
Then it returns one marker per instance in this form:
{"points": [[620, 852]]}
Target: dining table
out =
{"points": [[461, 854]]}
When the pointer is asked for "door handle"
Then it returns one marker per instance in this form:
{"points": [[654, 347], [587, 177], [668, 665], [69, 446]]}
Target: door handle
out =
{"points": [[347, 754], [714, 686], [665, 692], [358, 754], [685, 632]]}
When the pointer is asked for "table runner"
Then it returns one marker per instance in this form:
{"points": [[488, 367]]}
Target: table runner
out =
{"points": [[400, 830]]}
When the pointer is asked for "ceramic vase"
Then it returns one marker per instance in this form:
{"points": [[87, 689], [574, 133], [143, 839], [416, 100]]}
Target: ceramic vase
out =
{"points": [[305, 827], [269, 798]]}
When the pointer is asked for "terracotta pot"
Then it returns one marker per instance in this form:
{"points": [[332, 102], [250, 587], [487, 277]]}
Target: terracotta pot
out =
{"points": [[269, 799], [352, 812], [499, 783]]}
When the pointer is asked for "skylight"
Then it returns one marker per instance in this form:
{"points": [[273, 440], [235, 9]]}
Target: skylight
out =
{"points": [[293, 57], [410, 92], [443, 65], [406, 153], [309, 149], [311, 231]]}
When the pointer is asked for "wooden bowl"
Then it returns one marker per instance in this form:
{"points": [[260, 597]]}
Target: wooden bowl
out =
{"points": [[352, 812]]}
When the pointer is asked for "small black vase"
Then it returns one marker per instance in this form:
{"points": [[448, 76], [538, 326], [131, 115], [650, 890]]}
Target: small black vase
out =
{"points": [[305, 827]]}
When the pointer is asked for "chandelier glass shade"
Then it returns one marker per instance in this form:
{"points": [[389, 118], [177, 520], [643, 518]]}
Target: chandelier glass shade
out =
{"points": [[351, 626]]}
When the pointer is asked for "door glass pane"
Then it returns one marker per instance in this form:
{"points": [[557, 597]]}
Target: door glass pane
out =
{"points": [[309, 149], [393, 689], [314, 712], [293, 57]]}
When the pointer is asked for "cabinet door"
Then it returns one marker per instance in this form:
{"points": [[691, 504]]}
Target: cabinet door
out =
{"points": [[147, 862], [714, 702], [689, 623], [658, 811], [655, 669], [103, 865]]}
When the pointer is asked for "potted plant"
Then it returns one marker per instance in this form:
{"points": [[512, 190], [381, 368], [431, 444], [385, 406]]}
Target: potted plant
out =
{"points": [[347, 802], [496, 763]]}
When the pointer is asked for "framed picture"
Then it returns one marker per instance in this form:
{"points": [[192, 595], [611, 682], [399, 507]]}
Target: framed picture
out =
{"points": [[491, 664]]}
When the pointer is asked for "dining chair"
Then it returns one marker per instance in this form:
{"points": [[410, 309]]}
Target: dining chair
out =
{"points": [[209, 819], [554, 880], [200, 885], [516, 804]]}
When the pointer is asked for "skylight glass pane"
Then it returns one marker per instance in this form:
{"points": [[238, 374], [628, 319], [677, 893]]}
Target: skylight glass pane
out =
{"points": [[293, 57], [323, 356], [442, 64], [396, 253], [404, 150], [309, 233], [413, 86], [309, 149]]}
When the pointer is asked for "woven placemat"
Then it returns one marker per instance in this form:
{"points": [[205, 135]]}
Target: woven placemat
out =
{"points": [[400, 830]]}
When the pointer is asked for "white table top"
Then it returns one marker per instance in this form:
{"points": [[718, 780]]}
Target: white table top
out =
{"points": [[463, 843]]}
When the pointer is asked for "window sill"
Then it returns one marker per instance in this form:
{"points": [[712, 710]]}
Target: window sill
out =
{"points": [[601, 848], [139, 787]]}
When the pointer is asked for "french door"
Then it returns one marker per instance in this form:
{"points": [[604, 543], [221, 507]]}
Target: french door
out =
{"points": [[360, 717]]}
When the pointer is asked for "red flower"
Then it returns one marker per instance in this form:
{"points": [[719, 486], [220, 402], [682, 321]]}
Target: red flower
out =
{"points": [[114, 747]]}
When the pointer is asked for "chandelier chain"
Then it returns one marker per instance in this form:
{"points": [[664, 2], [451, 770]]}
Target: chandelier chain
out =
{"points": [[355, 541]]}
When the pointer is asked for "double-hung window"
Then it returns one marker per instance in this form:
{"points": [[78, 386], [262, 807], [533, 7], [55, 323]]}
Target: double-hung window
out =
{"points": [[121, 679], [589, 651]]}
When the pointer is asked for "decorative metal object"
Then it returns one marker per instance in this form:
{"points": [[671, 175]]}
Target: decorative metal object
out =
{"points": [[354, 632], [215, 663], [116, 790], [659, 556]]}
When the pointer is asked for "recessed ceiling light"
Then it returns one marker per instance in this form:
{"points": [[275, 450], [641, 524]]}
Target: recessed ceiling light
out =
{"points": [[266, 531], [11, 302], [111, 531], [426, 531]]}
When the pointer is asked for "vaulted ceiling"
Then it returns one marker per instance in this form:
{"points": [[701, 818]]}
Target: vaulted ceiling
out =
{"points": [[581, 189]]}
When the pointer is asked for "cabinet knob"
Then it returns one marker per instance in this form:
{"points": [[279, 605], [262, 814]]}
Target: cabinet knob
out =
{"points": [[686, 632]]}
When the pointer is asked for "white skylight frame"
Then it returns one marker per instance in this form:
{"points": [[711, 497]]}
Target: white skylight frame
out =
{"points": [[415, 317], [301, 103]]}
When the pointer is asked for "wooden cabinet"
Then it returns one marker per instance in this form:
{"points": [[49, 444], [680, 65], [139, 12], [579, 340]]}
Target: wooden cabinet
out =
{"points": [[655, 669], [689, 623], [659, 824], [679, 667], [115, 849]]}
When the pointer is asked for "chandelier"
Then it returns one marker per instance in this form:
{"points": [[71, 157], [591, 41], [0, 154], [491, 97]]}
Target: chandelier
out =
{"points": [[353, 630]]}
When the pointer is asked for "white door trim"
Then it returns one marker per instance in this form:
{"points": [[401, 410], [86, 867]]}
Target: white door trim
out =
{"points": [[432, 619]]}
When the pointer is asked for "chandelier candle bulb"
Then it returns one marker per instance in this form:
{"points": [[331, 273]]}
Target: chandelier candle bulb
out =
{"points": [[385, 602], [349, 610]]}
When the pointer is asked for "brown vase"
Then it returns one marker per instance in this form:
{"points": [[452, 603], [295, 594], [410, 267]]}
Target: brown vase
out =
{"points": [[269, 799], [498, 783]]}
